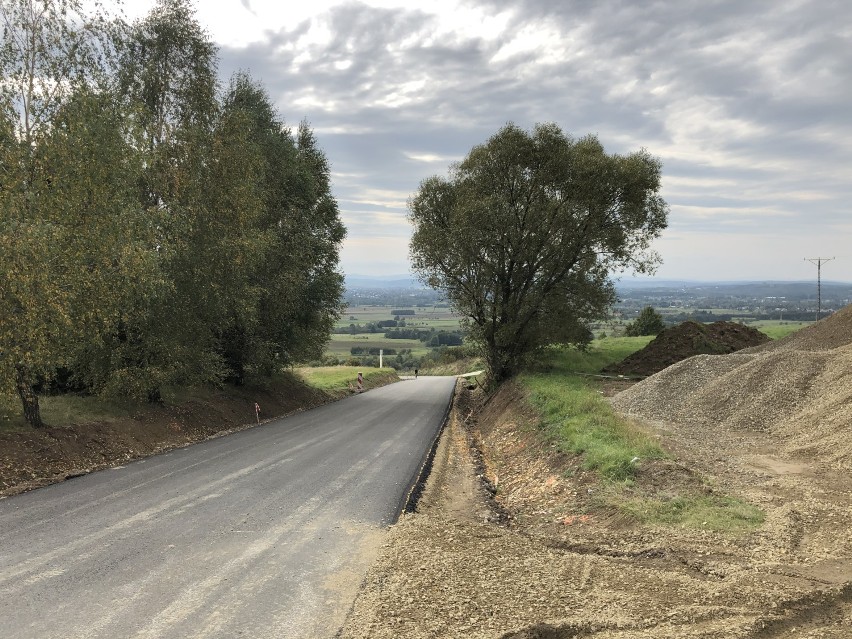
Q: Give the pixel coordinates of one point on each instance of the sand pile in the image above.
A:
(686, 340)
(799, 388)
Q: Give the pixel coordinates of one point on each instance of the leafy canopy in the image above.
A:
(524, 233)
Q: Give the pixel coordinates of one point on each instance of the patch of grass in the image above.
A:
(61, 410)
(600, 353)
(777, 329)
(581, 422)
(575, 416)
(704, 512)
(459, 367)
(329, 378)
(77, 409)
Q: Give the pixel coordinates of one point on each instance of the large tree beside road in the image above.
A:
(525, 232)
(154, 232)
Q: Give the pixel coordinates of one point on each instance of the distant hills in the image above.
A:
(382, 281)
(764, 287)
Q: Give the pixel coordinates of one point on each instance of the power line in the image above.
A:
(818, 261)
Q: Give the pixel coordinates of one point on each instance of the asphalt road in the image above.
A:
(263, 533)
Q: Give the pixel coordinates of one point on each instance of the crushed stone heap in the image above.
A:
(799, 388)
(686, 340)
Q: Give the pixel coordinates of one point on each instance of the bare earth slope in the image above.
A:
(542, 559)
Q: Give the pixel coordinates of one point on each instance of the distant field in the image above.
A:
(428, 317)
(340, 345)
(776, 329)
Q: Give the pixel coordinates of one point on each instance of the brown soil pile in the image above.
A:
(686, 340)
(799, 388)
(31, 458)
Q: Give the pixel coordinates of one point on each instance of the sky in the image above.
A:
(747, 103)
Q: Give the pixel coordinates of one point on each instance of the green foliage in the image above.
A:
(152, 235)
(593, 359)
(649, 322)
(524, 233)
(64, 245)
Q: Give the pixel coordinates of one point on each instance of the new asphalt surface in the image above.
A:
(263, 533)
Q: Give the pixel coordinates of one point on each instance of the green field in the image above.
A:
(340, 345)
(776, 329)
(424, 317)
(331, 378)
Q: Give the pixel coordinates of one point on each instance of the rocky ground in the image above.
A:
(510, 540)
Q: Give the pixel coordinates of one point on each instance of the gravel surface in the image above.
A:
(510, 539)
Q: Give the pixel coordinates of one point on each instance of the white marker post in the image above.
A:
(381, 356)
(257, 412)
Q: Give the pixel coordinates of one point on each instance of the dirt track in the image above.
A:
(564, 567)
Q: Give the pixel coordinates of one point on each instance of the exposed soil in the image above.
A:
(32, 458)
(513, 539)
(686, 340)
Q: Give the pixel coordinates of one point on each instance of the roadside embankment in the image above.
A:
(518, 536)
(85, 435)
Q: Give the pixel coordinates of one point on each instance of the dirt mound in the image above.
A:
(798, 388)
(687, 340)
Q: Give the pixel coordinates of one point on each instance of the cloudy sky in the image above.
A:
(748, 103)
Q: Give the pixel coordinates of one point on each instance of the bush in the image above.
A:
(649, 322)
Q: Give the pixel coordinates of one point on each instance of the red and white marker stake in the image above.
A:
(257, 412)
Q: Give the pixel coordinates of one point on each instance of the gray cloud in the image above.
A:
(746, 103)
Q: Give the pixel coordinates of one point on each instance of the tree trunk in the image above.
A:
(29, 399)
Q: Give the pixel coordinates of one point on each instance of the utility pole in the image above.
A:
(818, 261)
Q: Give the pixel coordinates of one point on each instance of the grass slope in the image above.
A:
(574, 414)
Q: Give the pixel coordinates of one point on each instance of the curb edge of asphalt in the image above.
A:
(409, 503)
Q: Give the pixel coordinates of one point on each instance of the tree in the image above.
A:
(287, 238)
(167, 76)
(649, 322)
(523, 234)
(53, 57)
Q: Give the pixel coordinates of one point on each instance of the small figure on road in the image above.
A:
(415, 373)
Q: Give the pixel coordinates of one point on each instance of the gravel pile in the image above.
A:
(798, 388)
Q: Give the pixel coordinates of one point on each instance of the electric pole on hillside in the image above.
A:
(818, 261)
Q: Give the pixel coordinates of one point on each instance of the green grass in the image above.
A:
(706, 512)
(579, 420)
(67, 409)
(599, 353)
(777, 329)
(339, 377)
(582, 422)
(573, 414)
